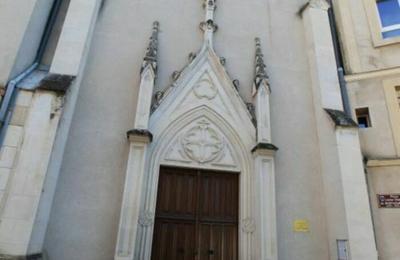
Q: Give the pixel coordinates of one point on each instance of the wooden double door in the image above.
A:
(196, 215)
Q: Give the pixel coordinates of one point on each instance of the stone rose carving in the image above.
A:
(202, 143)
(205, 89)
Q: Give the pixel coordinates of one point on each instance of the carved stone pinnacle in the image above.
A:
(260, 72)
(150, 59)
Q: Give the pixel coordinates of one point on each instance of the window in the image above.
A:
(389, 13)
(363, 117)
(398, 95)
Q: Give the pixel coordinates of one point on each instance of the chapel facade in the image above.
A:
(201, 129)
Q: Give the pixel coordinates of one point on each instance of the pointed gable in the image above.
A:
(204, 82)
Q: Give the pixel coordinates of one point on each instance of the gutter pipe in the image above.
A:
(8, 101)
(339, 63)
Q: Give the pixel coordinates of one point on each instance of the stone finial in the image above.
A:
(260, 73)
(150, 59)
(208, 26)
(210, 6)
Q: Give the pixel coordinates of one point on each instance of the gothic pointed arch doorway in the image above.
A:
(201, 124)
(229, 159)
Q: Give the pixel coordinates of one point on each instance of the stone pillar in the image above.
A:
(75, 36)
(343, 183)
(130, 209)
(356, 201)
(24, 161)
(264, 185)
(321, 53)
(139, 138)
(65, 78)
(264, 175)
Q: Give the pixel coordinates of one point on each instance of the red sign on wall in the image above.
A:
(389, 200)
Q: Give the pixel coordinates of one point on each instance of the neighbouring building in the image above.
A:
(369, 33)
(199, 129)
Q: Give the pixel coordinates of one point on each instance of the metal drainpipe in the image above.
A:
(339, 63)
(8, 101)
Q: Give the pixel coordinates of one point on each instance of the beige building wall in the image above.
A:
(102, 44)
(89, 191)
(372, 66)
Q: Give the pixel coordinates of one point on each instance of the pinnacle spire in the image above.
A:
(260, 73)
(209, 26)
(150, 59)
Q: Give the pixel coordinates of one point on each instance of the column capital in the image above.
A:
(265, 149)
(140, 135)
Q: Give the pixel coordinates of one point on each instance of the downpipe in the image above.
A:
(9, 98)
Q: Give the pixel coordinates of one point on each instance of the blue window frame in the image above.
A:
(389, 13)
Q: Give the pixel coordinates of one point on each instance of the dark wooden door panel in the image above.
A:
(174, 240)
(177, 191)
(218, 242)
(196, 215)
(219, 197)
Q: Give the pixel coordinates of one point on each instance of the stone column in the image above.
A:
(342, 176)
(139, 138)
(264, 186)
(264, 175)
(66, 72)
(321, 53)
(130, 209)
(75, 36)
(356, 201)
(24, 162)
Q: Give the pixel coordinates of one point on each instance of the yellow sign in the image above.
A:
(301, 225)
